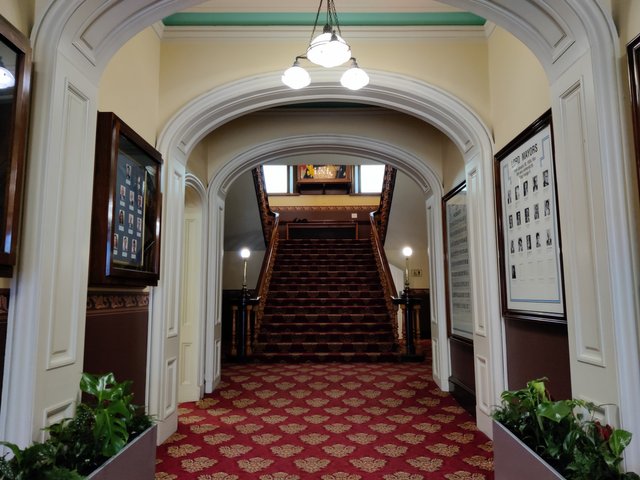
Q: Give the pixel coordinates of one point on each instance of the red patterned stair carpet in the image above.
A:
(325, 303)
(326, 421)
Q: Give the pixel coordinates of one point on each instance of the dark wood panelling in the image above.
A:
(4, 310)
(424, 319)
(535, 350)
(328, 213)
(462, 381)
(116, 337)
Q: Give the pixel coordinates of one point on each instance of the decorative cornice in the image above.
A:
(100, 301)
(282, 32)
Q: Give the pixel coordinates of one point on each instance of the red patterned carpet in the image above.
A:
(326, 421)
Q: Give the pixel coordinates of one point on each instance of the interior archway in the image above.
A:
(573, 39)
(364, 148)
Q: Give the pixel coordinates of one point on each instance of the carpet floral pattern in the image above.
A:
(326, 421)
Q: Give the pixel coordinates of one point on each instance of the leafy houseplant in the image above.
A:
(564, 433)
(103, 424)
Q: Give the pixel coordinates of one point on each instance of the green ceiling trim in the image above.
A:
(229, 19)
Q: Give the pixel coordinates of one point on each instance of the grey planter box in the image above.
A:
(136, 460)
(513, 459)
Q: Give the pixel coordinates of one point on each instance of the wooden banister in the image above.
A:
(267, 216)
(385, 274)
(264, 278)
(381, 215)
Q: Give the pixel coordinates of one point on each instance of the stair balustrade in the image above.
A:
(385, 274)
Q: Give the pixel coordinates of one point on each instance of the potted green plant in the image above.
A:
(538, 438)
(109, 437)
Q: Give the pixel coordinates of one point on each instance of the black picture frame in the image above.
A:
(529, 241)
(16, 57)
(457, 269)
(633, 63)
(125, 226)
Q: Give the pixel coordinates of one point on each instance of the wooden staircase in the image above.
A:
(325, 302)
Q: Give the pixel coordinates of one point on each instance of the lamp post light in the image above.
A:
(408, 320)
(245, 253)
(406, 251)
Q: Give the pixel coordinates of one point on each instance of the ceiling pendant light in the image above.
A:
(355, 78)
(296, 77)
(328, 50)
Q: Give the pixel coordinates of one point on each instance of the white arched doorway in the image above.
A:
(287, 148)
(575, 41)
(410, 96)
(193, 298)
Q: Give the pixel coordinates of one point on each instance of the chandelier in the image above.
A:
(328, 50)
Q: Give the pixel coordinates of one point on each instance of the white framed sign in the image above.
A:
(457, 264)
(530, 247)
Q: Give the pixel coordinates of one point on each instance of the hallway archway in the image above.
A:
(431, 105)
(574, 40)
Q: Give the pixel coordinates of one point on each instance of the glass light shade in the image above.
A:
(296, 77)
(407, 251)
(7, 80)
(245, 253)
(328, 50)
(354, 79)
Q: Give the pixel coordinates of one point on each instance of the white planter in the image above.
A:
(512, 459)
(135, 461)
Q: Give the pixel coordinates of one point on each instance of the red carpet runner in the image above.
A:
(326, 421)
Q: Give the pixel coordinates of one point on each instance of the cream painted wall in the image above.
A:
(130, 84)
(323, 200)
(211, 62)
(518, 86)
(408, 227)
(197, 163)
(397, 129)
(626, 14)
(20, 13)
(452, 166)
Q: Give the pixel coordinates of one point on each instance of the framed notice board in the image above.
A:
(125, 243)
(15, 92)
(457, 264)
(529, 236)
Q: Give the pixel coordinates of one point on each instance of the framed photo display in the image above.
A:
(15, 88)
(457, 265)
(529, 238)
(126, 208)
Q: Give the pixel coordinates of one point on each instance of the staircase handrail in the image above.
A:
(381, 257)
(381, 215)
(262, 287)
(386, 278)
(267, 216)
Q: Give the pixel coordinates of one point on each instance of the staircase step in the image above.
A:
(320, 327)
(325, 347)
(325, 276)
(327, 293)
(320, 310)
(325, 302)
(328, 286)
(324, 337)
(325, 318)
(297, 357)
